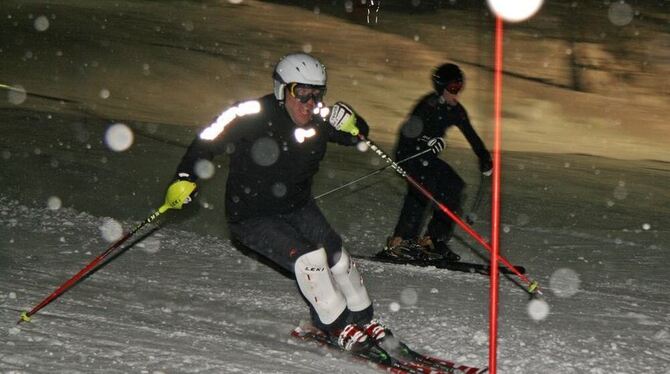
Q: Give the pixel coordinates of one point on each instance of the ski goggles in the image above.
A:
(454, 87)
(305, 92)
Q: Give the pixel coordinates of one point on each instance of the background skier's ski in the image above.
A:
(468, 267)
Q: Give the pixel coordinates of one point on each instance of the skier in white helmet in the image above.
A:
(275, 145)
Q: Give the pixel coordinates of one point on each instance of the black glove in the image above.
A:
(486, 166)
(436, 145)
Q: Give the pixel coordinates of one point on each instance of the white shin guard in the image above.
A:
(350, 281)
(316, 284)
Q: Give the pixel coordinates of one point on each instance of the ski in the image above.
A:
(467, 267)
(440, 363)
(407, 361)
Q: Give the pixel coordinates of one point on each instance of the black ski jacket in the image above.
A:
(431, 118)
(271, 164)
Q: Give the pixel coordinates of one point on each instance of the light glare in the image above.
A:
(514, 11)
(302, 134)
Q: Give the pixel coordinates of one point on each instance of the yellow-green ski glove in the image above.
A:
(179, 193)
(343, 118)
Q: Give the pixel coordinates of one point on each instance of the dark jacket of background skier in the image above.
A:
(431, 118)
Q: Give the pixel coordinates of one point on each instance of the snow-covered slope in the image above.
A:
(179, 298)
(182, 299)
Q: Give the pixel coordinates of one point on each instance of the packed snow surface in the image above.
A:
(103, 97)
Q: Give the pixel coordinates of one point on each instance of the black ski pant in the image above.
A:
(445, 184)
(283, 238)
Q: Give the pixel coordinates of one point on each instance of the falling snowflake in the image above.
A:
(620, 13)
(41, 23)
(119, 137)
(538, 309)
(54, 203)
(204, 169)
(111, 230)
(564, 282)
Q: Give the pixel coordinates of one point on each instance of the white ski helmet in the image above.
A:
(298, 68)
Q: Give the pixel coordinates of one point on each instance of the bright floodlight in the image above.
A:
(514, 10)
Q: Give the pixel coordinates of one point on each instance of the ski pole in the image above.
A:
(533, 286)
(472, 215)
(180, 192)
(26, 316)
(370, 174)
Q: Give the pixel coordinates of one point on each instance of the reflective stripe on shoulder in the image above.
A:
(241, 110)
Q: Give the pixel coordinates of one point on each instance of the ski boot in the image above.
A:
(383, 338)
(353, 339)
(377, 331)
(409, 250)
(438, 249)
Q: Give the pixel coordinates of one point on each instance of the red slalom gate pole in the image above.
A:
(26, 316)
(495, 208)
(532, 285)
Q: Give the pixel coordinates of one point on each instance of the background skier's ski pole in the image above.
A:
(532, 285)
(370, 174)
(471, 216)
(181, 191)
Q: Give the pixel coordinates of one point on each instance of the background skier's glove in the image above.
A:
(181, 192)
(343, 118)
(486, 166)
(436, 145)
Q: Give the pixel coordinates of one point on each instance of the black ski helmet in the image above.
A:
(448, 75)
